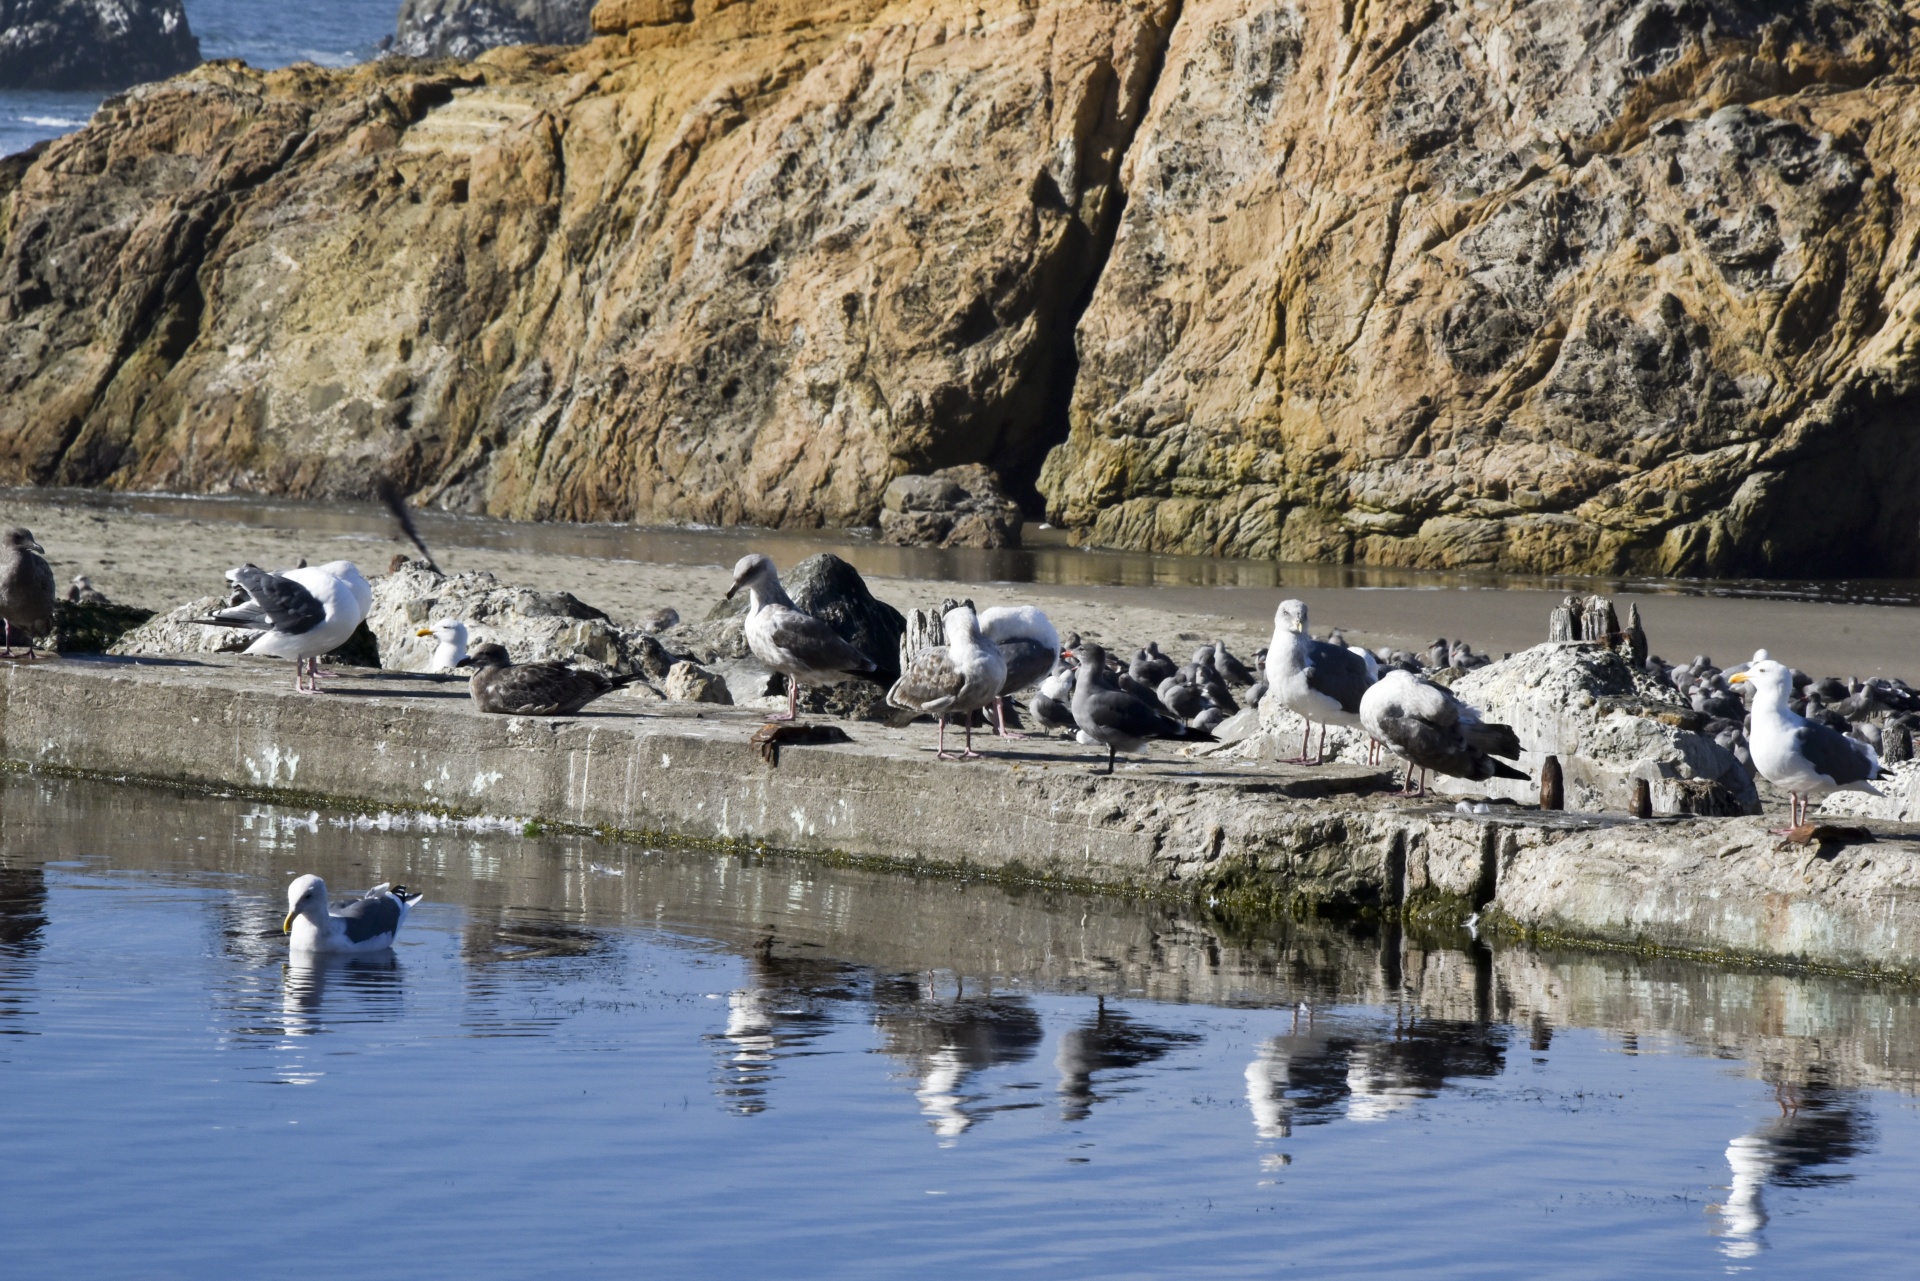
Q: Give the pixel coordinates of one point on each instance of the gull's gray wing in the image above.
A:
(813, 644)
(1028, 662)
(1337, 672)
(370, 917)
(273, 604)
(1833, 753)
(1117, 710)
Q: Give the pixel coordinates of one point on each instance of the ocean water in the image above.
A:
(585, 1058)
(264, 33)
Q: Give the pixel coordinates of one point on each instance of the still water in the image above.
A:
(585, 1057)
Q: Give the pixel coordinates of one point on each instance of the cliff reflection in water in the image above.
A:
(23, 915)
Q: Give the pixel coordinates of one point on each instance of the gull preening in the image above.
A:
(958, 678)
(451, 651)
(1808, 759)
(300, 613)
(505, 688)
(26, 588)
(1109, 716)
(788, 639)
(366, 924)
(1427, 727)
(1028, 642)
(1316, 680)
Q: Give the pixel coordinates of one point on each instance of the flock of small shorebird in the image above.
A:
(989, 656)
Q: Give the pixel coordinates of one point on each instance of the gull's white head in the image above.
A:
(306, 896)
(753, 570)
(1291, 617)
(1768, 678)
(452, 635)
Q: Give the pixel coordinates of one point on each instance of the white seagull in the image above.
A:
(452, 649)
(787, 638)
(1028, 642)
(300, 613)
(955, 679)
(1319, 681)
(1806, 758)
(366, 924)
(1425, 725)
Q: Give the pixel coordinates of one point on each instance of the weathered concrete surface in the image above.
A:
(1034, 810)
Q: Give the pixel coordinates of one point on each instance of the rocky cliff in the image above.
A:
(467, 28)
(92, 44)
(1578, 284)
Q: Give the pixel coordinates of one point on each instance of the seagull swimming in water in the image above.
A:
(366, 924)
(1808, 759)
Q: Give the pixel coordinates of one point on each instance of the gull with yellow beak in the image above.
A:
(1810, 761)
(366, 924)
(451, 652)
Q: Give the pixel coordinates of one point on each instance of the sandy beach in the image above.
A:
(159, 553)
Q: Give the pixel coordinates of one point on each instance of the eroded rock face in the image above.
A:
(467, 28)
(1596, 284)
(93, 44)
(745, 267)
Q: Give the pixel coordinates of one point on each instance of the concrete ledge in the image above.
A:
(1231, 830)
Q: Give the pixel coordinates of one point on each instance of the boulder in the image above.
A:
(467, 28)
(533, 625)
(833, 592)
(691, 683)
(91, 627)
(93, 44)
(174, 632)
(1610, 725)
(952, 507)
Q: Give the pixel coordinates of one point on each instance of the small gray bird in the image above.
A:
(26, 588)
(506, 688)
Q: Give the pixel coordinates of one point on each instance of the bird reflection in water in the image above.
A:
(1818, 1125)
(1111, 1041)
(787, 1002)
(1315, 1073)
(366, 989)
(944, 1034)
(23, 917)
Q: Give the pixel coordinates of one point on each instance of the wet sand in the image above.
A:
(177, 549)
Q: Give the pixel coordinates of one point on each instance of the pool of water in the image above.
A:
(585, 1057)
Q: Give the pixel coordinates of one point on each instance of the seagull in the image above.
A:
(82, 592)
(504, 688)
(1805, 757)
(26, 588)
(1426, 726)
(1108, 715)
(452, 649)
(1030, 645)
(787, 638)
(1230, 667)
(1320, 682)
(1052, 704)
(366, 924)
(300, 613)
(955, 679)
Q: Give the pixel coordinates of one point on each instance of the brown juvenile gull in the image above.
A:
(1426, 726)
(1320, 682)
(1111, 717)
(1808, 759)
(955, 679)
(506, 688)
(787, 638)
(26, 588)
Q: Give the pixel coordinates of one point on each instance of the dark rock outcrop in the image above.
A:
(833, 592)
(93, 44)
(953, 507)
(467, 28)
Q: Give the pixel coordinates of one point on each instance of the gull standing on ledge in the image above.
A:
(955, 679)
(1109, 716)
(1808, 759)
(1028, 642)
(788, 639)
(26, 588)
(1320, 682)
(366, 924)
(300, 614)
(1426, 726)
